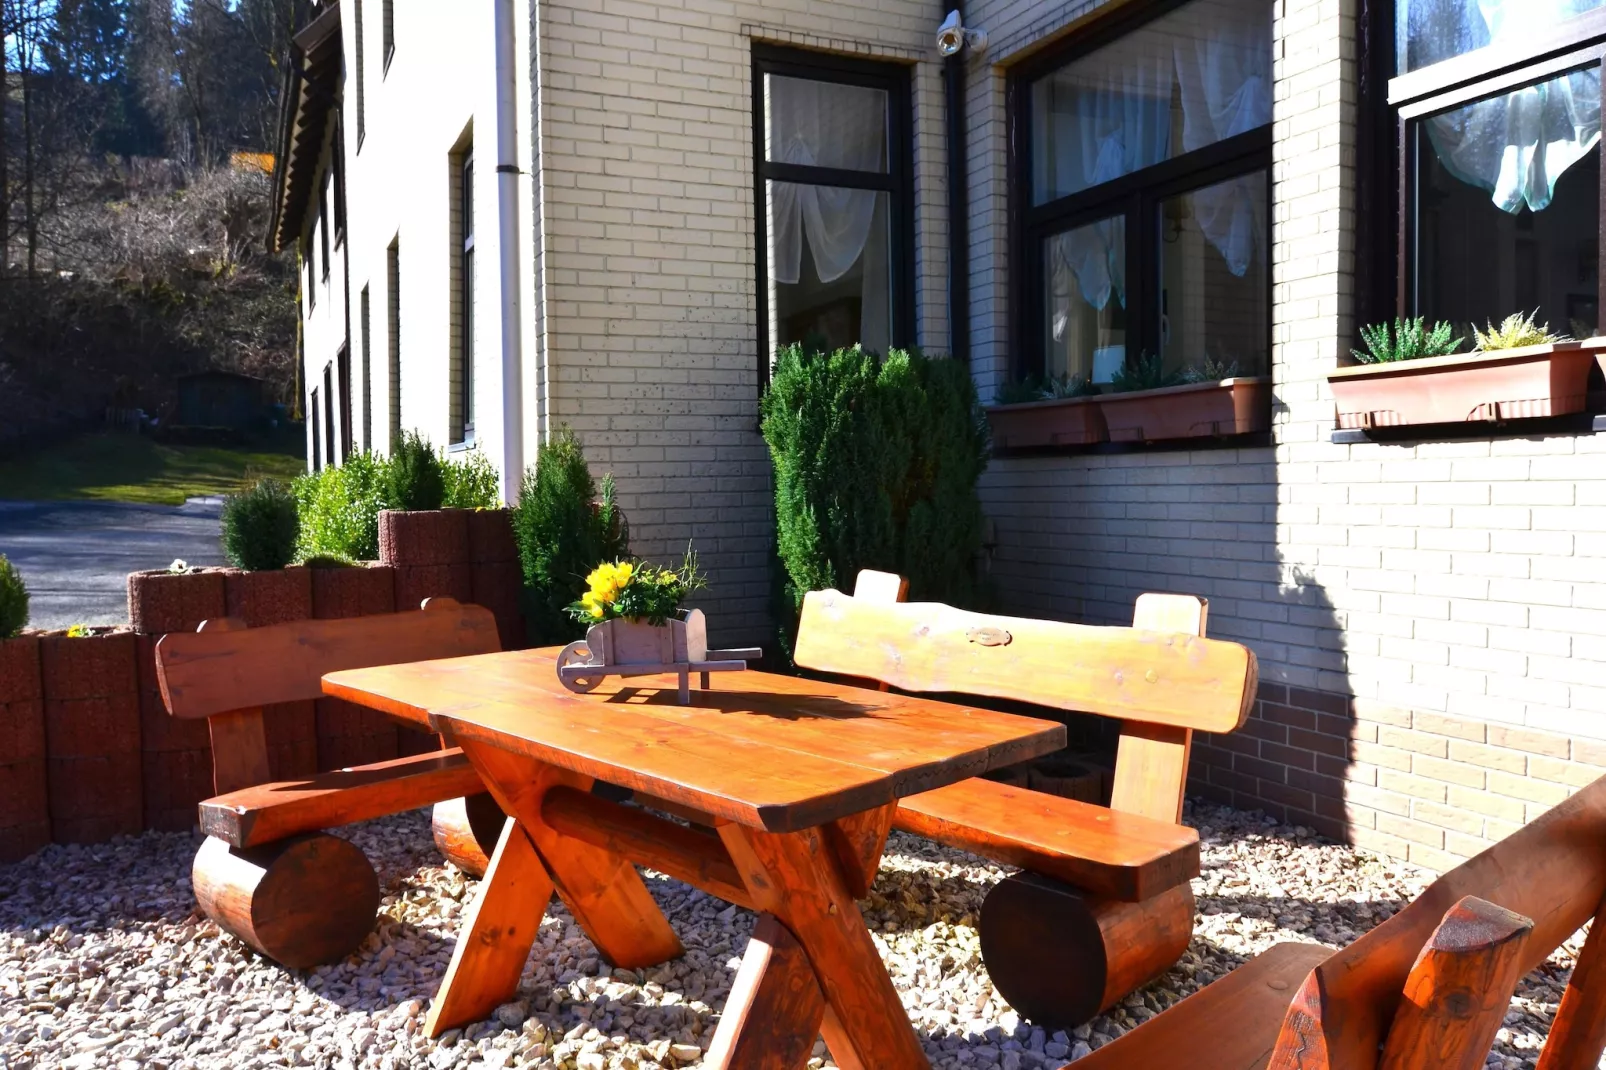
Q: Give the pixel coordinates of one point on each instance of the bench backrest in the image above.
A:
(1162, 680)
(227, 672)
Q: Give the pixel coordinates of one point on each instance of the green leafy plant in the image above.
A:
(415, 478)
(1034, 388)
(1072, 386)
(339, 509)
(1211, 371)
(563, 524)
(260, 526)
(327, 561)
(471, 482)
(13, 600)
(637, 590)
(1406, 339)
(1515, 330)
(876, 463)
(1147, 372)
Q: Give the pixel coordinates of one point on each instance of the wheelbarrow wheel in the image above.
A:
(575, 654)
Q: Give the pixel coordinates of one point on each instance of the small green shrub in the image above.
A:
(1033, 388)
(1406, 339)
(1211, 371)
(339, 509)
(327, 561)
(13, 600)
(563, 526)
(415, 478)
(1515, 330)
(260, 527)
(472, 483)
(1147, 372)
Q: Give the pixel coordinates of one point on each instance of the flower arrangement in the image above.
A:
(636, 590)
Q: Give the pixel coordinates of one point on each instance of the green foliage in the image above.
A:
(637, 590)
(472, 483)
(563, 529)
(415, 478)
(260, 527)
(327, 561)
(1035, 388)
(1147, 372)
(339, 508)
(1211, 371)
(13, 600)
(1405, 339)
(1514, 331)
(876, 464)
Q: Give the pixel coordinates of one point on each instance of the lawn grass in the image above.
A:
(133, 468)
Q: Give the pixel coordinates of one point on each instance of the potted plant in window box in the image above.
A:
(1059, 412)
(1206, 401)
(1411, 374)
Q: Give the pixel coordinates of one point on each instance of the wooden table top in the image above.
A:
(769, 751)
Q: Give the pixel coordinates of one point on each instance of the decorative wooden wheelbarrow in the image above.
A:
(622, 647)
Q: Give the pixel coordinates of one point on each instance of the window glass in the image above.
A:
(825, 124)
(1084, 279)
(1428, 31)
(1215, 314)
(1189, 79)
(830, 283)
(1508, 207)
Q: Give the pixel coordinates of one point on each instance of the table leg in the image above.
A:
(774, 1009)
(496, 936)
(795, 876)
(602, 890)
(858, 842)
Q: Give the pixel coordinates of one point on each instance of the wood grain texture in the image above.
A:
(239, 749)
(774, 1009)
(266, 812)
(1105, 852)
(602, 890)
(794, 876)
(1577, 1035)
(496, 937)
(1551, 870)
(881, 587)
(215, 670)
(1231, 1024)
(1459, 990)
(1154, 677)
(302, 902)
(466, 831)
(1151, 760)
(857, 842)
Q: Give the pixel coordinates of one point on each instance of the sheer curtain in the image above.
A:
(1515, 145)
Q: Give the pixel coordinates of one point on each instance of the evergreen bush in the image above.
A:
(564, 527)
(471, 483)
(415, 478)
(339, 509)
(876, 463)
(260, 527)
(13, 600)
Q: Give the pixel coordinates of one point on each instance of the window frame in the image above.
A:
(462, 385)
(357, 44)
(897, 182)
(1137, 195)
(387, 29)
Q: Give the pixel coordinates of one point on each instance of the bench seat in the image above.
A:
(1108, 853)
(268, 812)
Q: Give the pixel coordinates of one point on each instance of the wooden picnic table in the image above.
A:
(798, 779)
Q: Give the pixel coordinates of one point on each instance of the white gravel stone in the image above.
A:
(104, 962)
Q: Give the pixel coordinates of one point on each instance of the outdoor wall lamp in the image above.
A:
(953, 36)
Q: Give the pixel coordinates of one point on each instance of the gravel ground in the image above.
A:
(104, 962)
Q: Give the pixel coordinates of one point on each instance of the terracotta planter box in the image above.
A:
(490, 537)
(1236, 406)
(424, 537)
(1054, 422)
(1510, 384)
(24, 795)
(92, 736)
(160, 601)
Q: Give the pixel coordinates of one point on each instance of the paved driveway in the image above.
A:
(75, 557)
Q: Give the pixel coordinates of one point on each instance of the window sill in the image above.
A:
(1584, 423)
(464, 446)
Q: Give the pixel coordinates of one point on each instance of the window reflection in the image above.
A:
(1084, 274)
(829, 277)
(1429, 31)
(1214, 285)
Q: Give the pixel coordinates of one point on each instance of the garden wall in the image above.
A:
(87, 749)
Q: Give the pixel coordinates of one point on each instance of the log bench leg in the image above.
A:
(301, 901)
(774, 1009)
(466, 831)
(1060, 957)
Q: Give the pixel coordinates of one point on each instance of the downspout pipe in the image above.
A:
(509, 274)
(953, 73)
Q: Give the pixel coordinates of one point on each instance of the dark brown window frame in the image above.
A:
(898, 181)
(1136, 195)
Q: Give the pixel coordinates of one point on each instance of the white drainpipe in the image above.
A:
(507, 217)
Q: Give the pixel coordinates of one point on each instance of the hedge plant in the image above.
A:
(876, 463)
(260, 527)
(471, 482)
(13, 600)
(415, 476)
(339, 508)
(565, 525)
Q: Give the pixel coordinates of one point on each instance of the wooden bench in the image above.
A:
(266, 872)
(1104, 888)
(1429, 987)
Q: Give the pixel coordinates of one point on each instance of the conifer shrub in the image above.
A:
(260, 527)
(564, 525)
(13, 600)
(876, 463)
(415, 476)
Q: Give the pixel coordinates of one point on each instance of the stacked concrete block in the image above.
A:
(277, 597)
(92, 735)
(24, 797)
(497, 578)
(348, 734)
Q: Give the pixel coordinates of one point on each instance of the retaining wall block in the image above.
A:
(498, 587)
(349, 734)
(92, 736)
(278, 597)
(160, 601)
(423, 536)
(490, 537)
(414, 583)
(24, 795)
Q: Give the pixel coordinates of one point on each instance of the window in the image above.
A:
(329, 413)
(393, 339)
(362, 118)
(343, 372)
(387, 18)
(323, 222)
(835, 223)
(315, 420)
(1499, 106)
(463, 343)
(365, 326)
(1142, 187)
(337, 171)
(312, 273)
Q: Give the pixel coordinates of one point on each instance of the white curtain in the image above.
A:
(1518, 144)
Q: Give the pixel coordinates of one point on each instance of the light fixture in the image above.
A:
(953, 36)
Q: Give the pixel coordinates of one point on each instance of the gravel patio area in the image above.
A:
(105, 963)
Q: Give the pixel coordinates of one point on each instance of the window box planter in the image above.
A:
(1237, 406)
(1053, 422)
(1509, 384)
